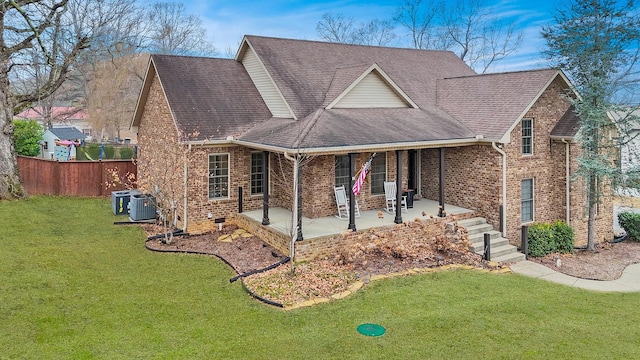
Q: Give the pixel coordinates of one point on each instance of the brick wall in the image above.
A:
(547, 168)
(473, 179)
(160, 157)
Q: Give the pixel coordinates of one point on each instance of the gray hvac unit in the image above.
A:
(143, 207)
(120, 200)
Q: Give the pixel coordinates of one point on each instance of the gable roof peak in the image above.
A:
(549, 70)
(250, 37)
(374, 68)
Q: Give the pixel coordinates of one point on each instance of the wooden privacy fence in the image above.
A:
(72, 178)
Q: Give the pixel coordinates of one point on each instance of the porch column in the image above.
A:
(398, 219)
(265, 189)
(441, 211)
(299, 180)
(352, 197)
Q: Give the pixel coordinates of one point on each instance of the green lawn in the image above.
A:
(74, 286)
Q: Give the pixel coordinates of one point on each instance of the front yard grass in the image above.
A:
(74, 286)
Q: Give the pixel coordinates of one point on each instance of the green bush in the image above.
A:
(92, 151)
(109, 152)
(563, 236)
(126, 153)
(27, 135)
(550, 238)
(630, 222)
(538, 239)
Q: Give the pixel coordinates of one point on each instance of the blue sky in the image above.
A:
(228, 20)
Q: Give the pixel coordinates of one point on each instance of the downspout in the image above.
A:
(186, 193)
(504, 188)
(294, 225)
(567, 182)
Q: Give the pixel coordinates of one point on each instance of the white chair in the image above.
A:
(390, 191)
(342, 202)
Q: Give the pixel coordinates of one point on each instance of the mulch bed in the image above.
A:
(244, 254)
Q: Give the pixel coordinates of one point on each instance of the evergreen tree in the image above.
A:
(597, 43)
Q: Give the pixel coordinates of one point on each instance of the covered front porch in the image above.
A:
(281, 219)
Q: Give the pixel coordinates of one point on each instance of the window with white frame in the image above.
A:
(378, 173)
(218, 176)
(257, 173)
(527, 200)
(527, 136)
(342, 171)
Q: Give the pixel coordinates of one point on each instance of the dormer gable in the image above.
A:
(372, 89)
(271, 95)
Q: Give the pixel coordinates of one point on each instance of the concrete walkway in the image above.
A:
(628, 282)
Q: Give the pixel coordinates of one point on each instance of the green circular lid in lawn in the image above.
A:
(371, 330)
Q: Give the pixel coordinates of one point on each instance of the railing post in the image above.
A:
(501, 218)
(239, 199)
(487, 246)
(525, 241)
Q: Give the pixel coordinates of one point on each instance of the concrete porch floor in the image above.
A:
(280, 219)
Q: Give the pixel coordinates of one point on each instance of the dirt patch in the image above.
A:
(243, 252)
(605, 263)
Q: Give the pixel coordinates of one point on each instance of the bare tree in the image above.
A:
(421, 22)
(112, 91)
(170, 30)
(468, 27)
(479, 37)
(340, 29)
(43, 26)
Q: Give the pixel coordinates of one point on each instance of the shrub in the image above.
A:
(126, 153)
(27, 135)
(109, 152)
(550, 238)
(92, 151)
(630, 222)
(563, 236)
(539, 235)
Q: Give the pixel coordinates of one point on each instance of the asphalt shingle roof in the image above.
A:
(304, 70)
(490, 104)
(217, 99)
(568, 125)
(67, 133)
(213, 98)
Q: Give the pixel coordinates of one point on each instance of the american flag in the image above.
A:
(357, 185)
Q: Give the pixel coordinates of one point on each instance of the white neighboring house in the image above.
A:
(630, 151)
(60, 134)
(62, 117)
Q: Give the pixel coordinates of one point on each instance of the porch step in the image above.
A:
(501, 250)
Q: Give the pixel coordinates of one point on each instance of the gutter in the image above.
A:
(504, 188)
(363, 148)
(567, 182)
(294, 225)
(186, 193)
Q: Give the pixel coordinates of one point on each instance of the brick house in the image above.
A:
(224, 135)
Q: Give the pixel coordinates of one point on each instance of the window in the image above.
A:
(527, 136)
(86, 132)
(257, 173)
(378, 174)
(218, 176)
(342, 171)
(527, 200)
